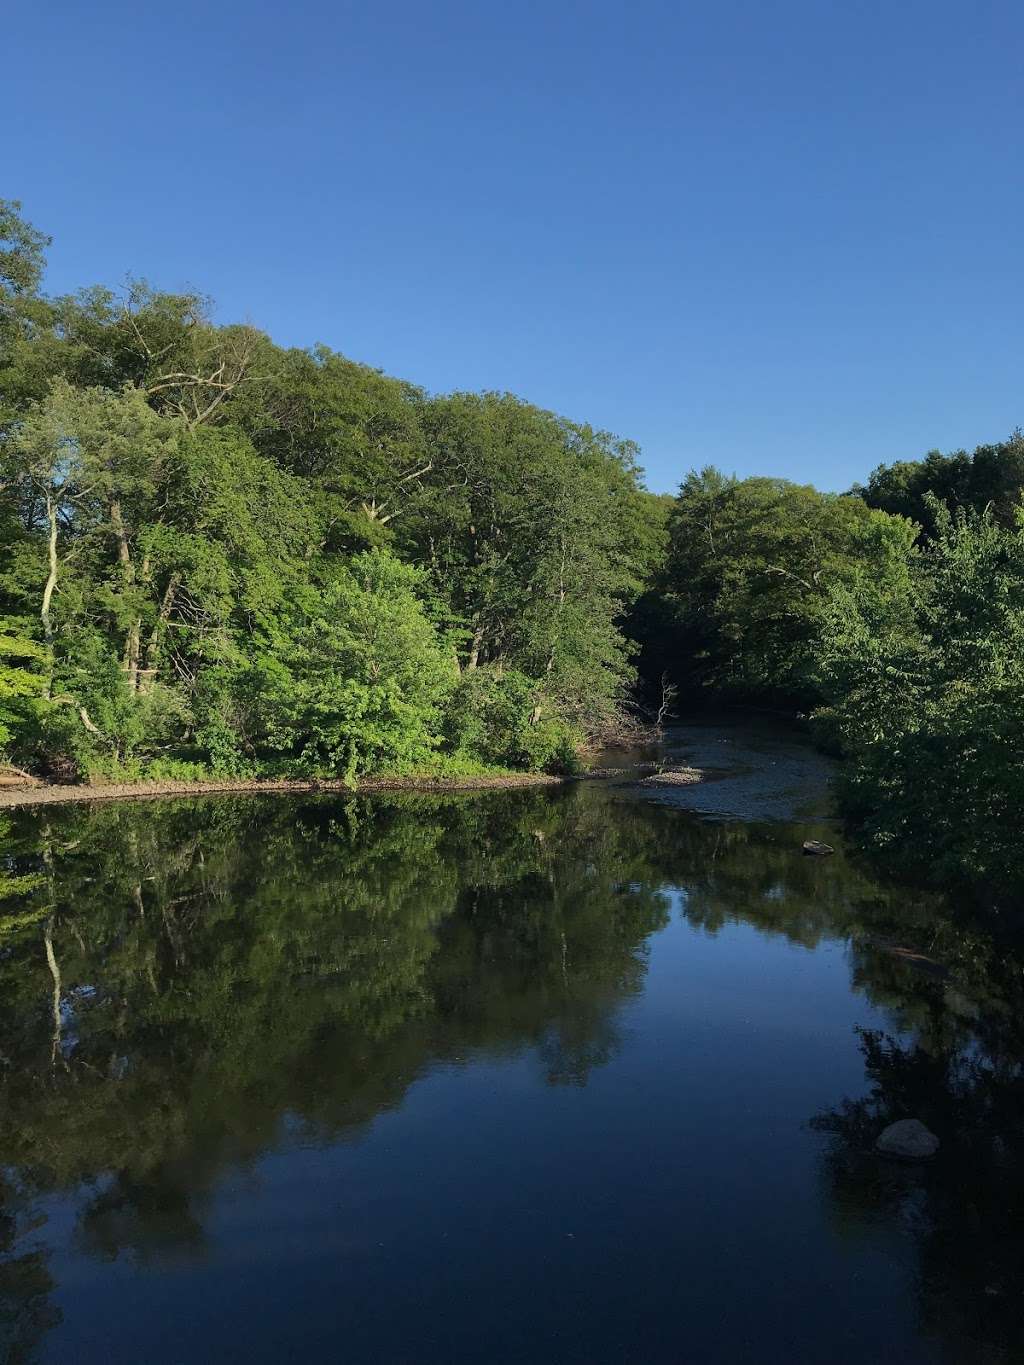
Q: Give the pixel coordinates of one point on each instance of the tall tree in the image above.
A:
(991, 477)
(750, 567)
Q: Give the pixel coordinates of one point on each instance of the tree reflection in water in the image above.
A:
(961, 1073)
(232, 975)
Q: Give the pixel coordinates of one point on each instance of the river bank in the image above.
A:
(60, 794)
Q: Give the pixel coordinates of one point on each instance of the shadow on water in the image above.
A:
(191, 989)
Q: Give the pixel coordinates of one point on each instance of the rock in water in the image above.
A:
(674, 777)
(816, 847)
(908, 1139)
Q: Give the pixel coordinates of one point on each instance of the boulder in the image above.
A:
(675, 777)
(817, 849)
(908, 1139)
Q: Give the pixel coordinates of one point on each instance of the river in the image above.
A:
(578, 1074)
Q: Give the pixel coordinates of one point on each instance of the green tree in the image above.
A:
(991, 477)
(361, 678)
(24, 314)
(750, 567)
(925, 694)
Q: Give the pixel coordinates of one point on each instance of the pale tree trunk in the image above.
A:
(123, 553)
(131, 655)
(51, 577)
(45, 610)
(51, 959)
(668, 696)
(83, 715)
(51, 956)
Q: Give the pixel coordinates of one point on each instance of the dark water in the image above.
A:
(555, 1075)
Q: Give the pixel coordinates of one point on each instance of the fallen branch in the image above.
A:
(20, 772)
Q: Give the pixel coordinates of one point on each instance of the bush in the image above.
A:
(497, 718)
(360, 682)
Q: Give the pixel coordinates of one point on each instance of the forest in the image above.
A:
(221, 556)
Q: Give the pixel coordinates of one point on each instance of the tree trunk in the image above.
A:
(51, 578)
(123, 553)
(149, 672)
(51, 959)
(474, 649)
(668, 696)
(83, 715)
(131, 655)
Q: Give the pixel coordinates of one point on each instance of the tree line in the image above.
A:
(218, 555)
(893, 617)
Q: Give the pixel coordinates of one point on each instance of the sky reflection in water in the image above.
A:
(540, 1075)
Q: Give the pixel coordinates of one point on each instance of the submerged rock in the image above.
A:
(908, 1139)
(817, 848)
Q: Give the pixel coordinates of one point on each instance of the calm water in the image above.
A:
(588, 1074)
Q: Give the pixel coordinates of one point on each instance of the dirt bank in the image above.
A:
(47, 795)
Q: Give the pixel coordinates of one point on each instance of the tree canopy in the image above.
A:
(992, 477)
(223, 555)
(220, 555)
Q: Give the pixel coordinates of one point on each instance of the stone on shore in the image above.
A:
(817, 849)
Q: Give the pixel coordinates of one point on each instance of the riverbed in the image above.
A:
(586, 1073)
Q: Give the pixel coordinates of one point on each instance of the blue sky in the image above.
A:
(774, 235)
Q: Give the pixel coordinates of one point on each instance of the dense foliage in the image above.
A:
(925, 694)
(903, 639)
(218, 555)
(221, 555)
(749, 571)
(992, 478)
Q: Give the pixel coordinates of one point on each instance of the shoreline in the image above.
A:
(58, 794)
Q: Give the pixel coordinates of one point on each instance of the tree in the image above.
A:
(530, 536)
(360, 679)
(355, 434)
(991, 477)
(925, 695)
(749, 570)
(23, 679)
(23, 313)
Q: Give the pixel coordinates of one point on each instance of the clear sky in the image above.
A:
(780, 236)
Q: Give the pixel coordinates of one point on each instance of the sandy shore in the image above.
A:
(47, 795)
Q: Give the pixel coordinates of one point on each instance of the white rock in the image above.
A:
(909, 1139)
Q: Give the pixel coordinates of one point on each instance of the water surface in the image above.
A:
(555, 1075)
